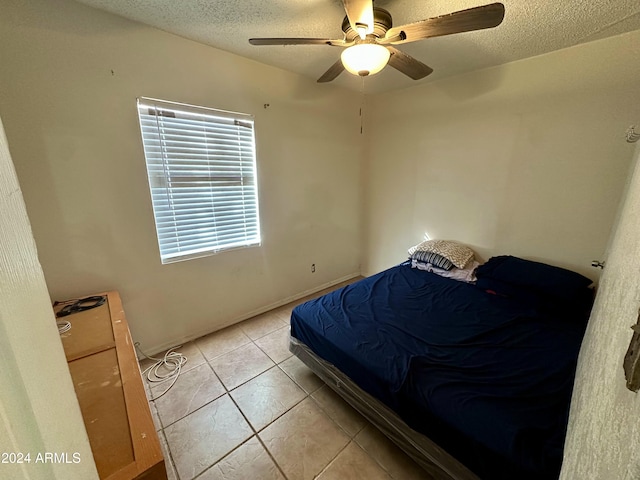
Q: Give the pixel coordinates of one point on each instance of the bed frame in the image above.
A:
(421, 449)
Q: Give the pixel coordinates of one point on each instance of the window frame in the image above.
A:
(165, 198)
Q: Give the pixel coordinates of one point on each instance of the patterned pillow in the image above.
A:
(455, 252)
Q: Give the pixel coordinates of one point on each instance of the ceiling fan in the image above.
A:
(370, 38)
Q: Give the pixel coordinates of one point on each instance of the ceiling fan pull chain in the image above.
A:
(361, 104)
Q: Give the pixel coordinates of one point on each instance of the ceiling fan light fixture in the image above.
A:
(365, 58)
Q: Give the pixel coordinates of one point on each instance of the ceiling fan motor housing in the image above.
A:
(382, 22)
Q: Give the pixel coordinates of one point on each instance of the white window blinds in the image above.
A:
(202, 176)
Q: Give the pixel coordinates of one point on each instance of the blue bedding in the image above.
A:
(487, 377)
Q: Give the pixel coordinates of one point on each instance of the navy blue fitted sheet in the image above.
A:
(488, 378)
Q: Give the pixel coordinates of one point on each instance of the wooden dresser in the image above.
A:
(112, 398)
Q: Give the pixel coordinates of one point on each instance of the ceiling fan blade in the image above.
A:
(408, 65)
(477, 18)
(298, 41)
(334, 70)
(359, 13)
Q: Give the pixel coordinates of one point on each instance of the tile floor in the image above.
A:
(245, 408)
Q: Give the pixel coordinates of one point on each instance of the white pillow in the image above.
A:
(466, 275)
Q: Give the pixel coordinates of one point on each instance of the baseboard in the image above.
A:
(245, 316)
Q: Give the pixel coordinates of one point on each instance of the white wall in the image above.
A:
(603, 440)
(70, 76)
(527, 158)
(39, 411)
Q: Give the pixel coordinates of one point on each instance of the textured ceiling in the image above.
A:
(530, 27)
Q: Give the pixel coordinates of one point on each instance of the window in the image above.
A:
(202, 176)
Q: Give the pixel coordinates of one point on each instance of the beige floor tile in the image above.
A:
(285, 312)
(263, 324)
(154, 412)
(202, 438)
(147, 389)
(267, 396)
(339, 411)
(399, 465)
(244, 363)
(168, 462)
(309, 297)
(301, 374)
(353, 464)
(337, 286)
(193, 354)
(276, 344)
(303, 441)
(193, 389)
(324, 291)
(302, 300)
(221, 342)
(249, 462)
(189, 349)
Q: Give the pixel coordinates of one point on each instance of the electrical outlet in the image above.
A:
(313, 268)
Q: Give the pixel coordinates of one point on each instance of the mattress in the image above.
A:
(485, 377)
(426, 453)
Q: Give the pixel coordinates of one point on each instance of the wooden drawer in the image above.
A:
(114, 406)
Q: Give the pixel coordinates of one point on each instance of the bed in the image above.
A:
(473, 380)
